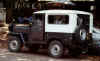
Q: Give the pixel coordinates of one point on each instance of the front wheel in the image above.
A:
(56, 49)
(14, 45)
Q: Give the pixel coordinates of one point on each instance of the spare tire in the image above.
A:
(81, 35)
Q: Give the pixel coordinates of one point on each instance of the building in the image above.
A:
(87, 5)
(84, 5)
(2, 13)
(34, 5)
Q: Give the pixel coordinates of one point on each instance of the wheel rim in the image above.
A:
(13, 44)
(82, 34)
(55, 50)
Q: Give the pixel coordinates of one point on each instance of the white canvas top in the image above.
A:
(63, 11)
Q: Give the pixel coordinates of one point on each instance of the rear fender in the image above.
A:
(19, 35)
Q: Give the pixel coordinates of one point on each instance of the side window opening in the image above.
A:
(79, 21)
(58, 19)
(38, 20)
(83, 21)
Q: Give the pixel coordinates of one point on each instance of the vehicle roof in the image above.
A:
(63, 11)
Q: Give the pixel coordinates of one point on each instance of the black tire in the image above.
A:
(15, 45)
(84, 34)
(54, 45)
(81, 40)
(81, 34)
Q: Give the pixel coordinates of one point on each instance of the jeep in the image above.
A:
(55, 30)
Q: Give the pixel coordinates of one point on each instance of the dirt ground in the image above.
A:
(3, 37)
(41, 55)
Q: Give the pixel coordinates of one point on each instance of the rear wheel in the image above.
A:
(14, 45)
(56, 49)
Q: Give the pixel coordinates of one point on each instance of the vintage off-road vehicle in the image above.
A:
(56, 30)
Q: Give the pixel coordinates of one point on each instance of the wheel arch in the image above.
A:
(16, 35)
(58, 39)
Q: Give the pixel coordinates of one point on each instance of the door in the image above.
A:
(37, 28)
